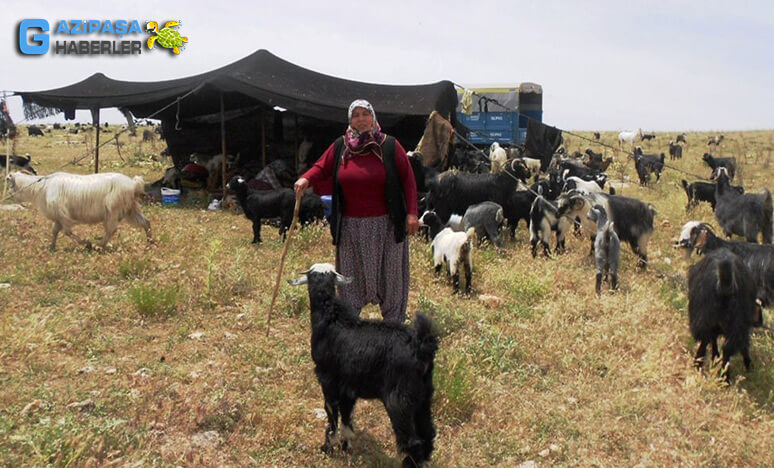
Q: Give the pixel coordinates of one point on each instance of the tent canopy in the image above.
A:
(262, 78)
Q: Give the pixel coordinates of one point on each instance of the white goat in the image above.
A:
(71, 199)
(455, 248)
(498, 157)
(629, 137)
(576, 183)
(533, 165)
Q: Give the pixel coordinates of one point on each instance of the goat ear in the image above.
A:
(298, 281)
(701, 240)
(341, 279)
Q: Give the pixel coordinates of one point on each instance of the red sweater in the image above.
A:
(362, 179)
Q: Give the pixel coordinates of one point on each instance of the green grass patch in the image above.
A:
(152, 302)
(134, 267)
(455, 390)
(495, 353)
(446, 320)
(527, 289)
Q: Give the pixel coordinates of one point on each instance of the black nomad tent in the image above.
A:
(268, 105)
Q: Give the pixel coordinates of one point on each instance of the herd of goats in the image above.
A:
(357, 358)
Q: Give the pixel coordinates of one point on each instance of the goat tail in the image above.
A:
(652, 210)
(139, 186)
(767, 215)
(427, 340)
(499, 217)
(686, 187)
(609, 231)
(726, 285)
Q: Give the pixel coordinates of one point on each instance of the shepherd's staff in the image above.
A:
(282, 259)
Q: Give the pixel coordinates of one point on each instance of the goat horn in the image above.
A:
(299, 281)
(341, 279)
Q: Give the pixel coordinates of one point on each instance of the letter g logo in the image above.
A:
(42, 39)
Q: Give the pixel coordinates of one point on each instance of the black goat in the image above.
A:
(419, 171)
(357, 358)
(19, 163)
(647, 164)
(631, 218)
(520, 202)
(648, 136)
(265, 204)
(474, 161)
(596, 161)
(758, 258)
(597, 136)
(742, 214)
(681, 138)
(703, 191)
(675, 150)
(729, 163)
(453, 192)
(34, 130)
(721, 301)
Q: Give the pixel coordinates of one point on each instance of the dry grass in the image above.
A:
(191, 379)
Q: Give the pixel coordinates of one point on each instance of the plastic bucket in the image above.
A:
(170, 196)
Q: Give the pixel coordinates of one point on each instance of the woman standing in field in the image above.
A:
(374, 208)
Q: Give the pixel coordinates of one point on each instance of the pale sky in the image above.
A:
(661, 66)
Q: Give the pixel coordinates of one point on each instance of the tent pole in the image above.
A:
(295, 138)
(223, 147)
(7, 157)
(96, 148)
(263, 140)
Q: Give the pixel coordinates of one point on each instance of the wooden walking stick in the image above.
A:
(282, 259)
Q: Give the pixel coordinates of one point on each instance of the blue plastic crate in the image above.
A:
(472, 121)
(500, 136)
(499, 120)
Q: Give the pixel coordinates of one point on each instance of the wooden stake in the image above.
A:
(282, 259)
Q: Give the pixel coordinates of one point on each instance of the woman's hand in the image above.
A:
(301, 185)
(412, 224)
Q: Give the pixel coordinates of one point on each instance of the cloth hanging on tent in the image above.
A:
(129, 120)
(434, 145)
(33, 111)
(466, 103)
(542, 141)
(7, 127)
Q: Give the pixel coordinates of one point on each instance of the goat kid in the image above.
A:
(703, 192)
(607, 248)
(543, 220)
(675, 150)
(357, 358)
(454, 248)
